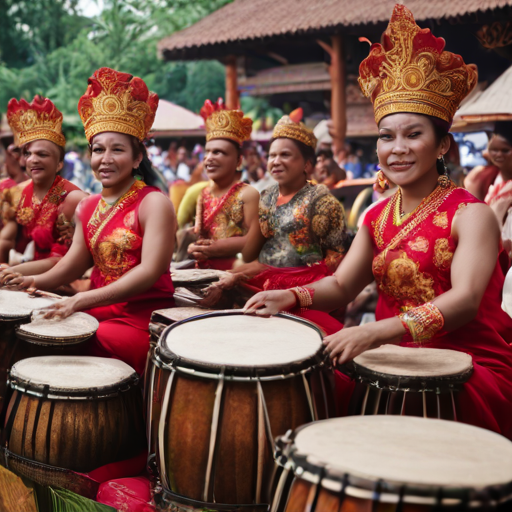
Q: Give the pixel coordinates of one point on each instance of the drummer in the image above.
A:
(432, 248)
(127, 232)
(47, 204)
(227, 209)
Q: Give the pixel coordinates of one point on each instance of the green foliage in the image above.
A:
(47, 47)
(264, 116)
(63, 500)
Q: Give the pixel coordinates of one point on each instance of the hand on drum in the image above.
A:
(60, 309)
(348, 343)
(270, 303)
(13, 280)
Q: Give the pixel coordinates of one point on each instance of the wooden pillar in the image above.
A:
(338, 97)
(338, 129)
(231, 83)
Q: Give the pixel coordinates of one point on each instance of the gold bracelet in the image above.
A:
(304, 296)
(422, 323)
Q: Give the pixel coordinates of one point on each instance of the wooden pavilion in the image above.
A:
(311, 48)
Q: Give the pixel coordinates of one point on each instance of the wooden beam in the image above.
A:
(338, 96)
(232, 102)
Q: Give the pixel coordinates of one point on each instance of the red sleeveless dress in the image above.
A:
(38, 221)
(114, 238)
(412, 263)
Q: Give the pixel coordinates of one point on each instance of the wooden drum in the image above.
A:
(408, 381)
(15, 309)
(392, 463)
(74, 412)
(222, 387)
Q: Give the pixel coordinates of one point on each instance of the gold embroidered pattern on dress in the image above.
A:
(441, 220)
(420, 244)
(402, 279)
(442, 254)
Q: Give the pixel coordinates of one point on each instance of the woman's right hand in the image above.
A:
(270, 303)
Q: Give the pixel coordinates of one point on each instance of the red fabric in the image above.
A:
(486, 398)
(127, 495)
(277, 278)
(38, 220)
(7, 183)
(114, 239)
(124, 468)
(217, 263)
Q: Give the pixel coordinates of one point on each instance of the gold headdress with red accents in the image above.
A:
(117, 102)
(225, 124)
(411, 72)
(39, 120)
(290, 127)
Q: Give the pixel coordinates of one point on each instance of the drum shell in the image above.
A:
(243, 460)
(80, 435)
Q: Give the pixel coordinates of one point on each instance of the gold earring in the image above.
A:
(443, 180)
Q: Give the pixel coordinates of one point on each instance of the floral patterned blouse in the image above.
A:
(307, 229)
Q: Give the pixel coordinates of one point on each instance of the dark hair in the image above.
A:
(149, 175)
(307, 152)
(326, 153)
(503, 129)
(441, 130)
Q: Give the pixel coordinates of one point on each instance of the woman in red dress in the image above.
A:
(432, 248)
(127, 232)
(47, 204)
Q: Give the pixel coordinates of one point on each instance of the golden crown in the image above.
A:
(117, 102)
(225, 124)
(39, 120)
(411, 72)
(290, 127)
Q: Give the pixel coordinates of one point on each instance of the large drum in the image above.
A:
(392, 463)
(222, 387)
(408, 381)
(74, 412)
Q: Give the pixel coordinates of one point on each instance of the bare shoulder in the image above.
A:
(156, 202)
(249, 194)
(477, 219)
(75, 196)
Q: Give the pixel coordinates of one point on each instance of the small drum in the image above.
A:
(57, 332)
(196, 276)
(221, 387)
(408, 381)
(15, 310)
(392, 463)
(74, 412)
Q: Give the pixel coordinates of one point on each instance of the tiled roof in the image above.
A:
(246, 20)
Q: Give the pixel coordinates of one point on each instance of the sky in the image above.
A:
(90, 8)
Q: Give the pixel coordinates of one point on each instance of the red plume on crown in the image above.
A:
(39, 120)
(411, 72)
(209, 108)
(225, 124)
(117, 102)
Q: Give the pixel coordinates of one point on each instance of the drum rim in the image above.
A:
(46, 391)
(287, 456)
(413, 383)
(28, 315)
(165, 358)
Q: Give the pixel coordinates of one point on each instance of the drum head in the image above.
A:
(196, 276)
(410, 368)
(243, 342)
(405, 450)
(172, 315)
(71, 375)
(76, 328)
(16, 305)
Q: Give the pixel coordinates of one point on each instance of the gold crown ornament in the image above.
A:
(39, 120)
(117, 102)
(290, 127)
(225, 124)
(411, 72)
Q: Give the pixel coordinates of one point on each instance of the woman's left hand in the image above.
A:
(348, 343)
(61, 309)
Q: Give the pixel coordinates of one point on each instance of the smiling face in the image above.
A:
(112, 159)
(500, 152)
(221, 160)
(42, 160)
(408, 148)
(287, 165)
